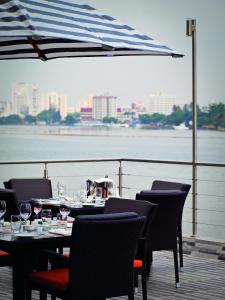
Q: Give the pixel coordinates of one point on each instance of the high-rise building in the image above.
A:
(5, 108)
(34, 102)
(160, 103)
(20, 99)
(104, 106)
(54, 101)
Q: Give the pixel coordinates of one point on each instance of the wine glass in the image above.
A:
(37, 208)
(2, 208)
(25, 211)
(83, 192)
(61, 188)
(64, 209)
(2, 212)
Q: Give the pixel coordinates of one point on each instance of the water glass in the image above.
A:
(61, 187)
(15, 223)
(46, 216)
(61, 222)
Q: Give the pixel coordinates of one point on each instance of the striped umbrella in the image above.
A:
(47, 29)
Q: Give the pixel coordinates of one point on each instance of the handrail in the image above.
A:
(121, 174)
(177, 162)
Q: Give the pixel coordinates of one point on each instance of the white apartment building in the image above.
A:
(34, 103)
(55, 101)
(20, 99)
(5, 108)
(104, 106)
(160, 103)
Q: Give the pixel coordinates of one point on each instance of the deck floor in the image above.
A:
(202, 279)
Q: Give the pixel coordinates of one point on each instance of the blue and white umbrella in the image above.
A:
(48, 29)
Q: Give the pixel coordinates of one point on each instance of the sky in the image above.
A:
(136, 78)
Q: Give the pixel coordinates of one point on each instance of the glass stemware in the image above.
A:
(2, 208)
(37, 208)
(61, 188)
(25, 211)
(2, 212)
(83, 193)
(64, 209)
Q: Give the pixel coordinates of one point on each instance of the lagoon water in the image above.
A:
(62, 143)
(56, 142)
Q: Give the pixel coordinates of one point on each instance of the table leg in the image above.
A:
(19, 277)
(23, 263)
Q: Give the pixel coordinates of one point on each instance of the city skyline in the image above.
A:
(134, 79)
(28, 99)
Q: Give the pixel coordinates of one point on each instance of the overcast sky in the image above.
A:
(135, 78)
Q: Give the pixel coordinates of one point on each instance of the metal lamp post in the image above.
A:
(191, 31)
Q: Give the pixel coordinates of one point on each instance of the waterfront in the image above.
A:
(35, 143)
(61, 142)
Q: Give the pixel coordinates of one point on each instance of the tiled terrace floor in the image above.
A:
(202, 279)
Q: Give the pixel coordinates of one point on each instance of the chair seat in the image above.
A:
(3, 253)
(138, 263)
(57, 279)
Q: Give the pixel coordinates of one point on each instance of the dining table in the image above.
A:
(25, 247)
(84, 209)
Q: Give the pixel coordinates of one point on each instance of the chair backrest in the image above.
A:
(12, 206)
(169, 185)
(163, 235)
(101, 256)
(121, 205)
(27, 188)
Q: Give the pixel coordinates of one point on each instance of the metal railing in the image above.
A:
(131, 181)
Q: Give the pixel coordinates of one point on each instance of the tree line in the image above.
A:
(212, 116)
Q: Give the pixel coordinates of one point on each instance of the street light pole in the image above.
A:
(191, 31)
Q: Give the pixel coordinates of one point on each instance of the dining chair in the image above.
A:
(169, 186)
(100, 262)
(12, 208)
(142, 208)
(163, 235)
(12, 205)
(28, 188)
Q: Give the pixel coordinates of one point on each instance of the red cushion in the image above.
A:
(57, 279)
(138, 263)
(3, 253)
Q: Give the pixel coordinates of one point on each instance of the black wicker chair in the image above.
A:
(100, 263)
(142, 208)
(28, 188)
(12, 208)
(163, 235)
(160, 185)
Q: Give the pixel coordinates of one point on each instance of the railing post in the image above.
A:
(46, 171)
(120, 179)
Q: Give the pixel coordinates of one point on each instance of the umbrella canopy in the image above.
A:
(47, 29)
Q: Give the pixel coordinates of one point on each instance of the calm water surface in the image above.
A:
(52, 143)
(34, 143)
